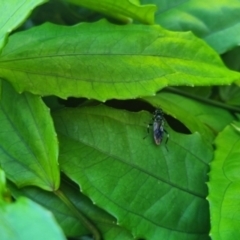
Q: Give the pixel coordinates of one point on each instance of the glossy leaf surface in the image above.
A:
(224, 184)
(123, 10)
(13, 13)
(66, 219)
(28, 143)
(76, 61)
(153, 192)
(25, 219)
(215, 21)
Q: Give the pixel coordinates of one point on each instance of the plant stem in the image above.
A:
(84, 220)
(205, 100)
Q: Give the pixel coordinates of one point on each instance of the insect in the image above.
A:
(157, 124)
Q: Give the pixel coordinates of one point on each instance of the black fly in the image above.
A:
(157, 124)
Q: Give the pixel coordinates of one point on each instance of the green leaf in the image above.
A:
(230, 94)
(154, 193)
(216, 22)
(4, 193)
(232, 59)
(28, 143)
(13, 13)
(2, 184)
(137, 60)
(224, 186)
(236, 126)
(123, 10)
(204, 92)
(25, 219)
(66, 219)
(196, 116)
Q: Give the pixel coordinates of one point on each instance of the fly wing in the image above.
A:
(157, 132)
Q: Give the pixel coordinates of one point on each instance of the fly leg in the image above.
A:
(166, 138)
(148, 126)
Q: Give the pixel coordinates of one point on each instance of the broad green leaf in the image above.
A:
(28, 143)
(155, 193)
(104, 61)
(215, 21)
(25, 219)
(66, 219)
(224, 184)
(123, 10)
(13, 13)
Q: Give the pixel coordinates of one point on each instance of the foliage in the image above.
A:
(79, 81)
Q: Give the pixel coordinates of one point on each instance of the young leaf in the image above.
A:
(25, 219)
(137, 60)
(216, 22)
(28, 143)
(224, 186)
(13, 13)
(123, 10)
(153, 192)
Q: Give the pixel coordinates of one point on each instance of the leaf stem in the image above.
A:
(84, 220)
(204, 100)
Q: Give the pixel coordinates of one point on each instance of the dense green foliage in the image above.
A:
(79, 81)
